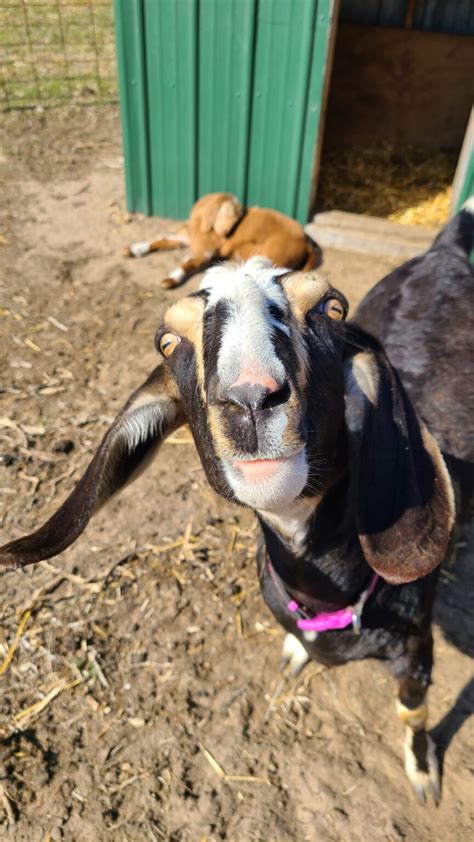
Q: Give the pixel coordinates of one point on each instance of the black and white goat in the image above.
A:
(300, 415)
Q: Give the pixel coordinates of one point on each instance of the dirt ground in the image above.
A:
(143, 700)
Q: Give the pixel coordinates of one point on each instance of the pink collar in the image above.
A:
(331, 620)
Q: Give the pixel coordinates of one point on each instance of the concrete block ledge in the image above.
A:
(369, 235)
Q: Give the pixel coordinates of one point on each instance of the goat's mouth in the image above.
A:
(257, 470)
(268, 483)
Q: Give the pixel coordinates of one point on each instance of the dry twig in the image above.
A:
(32, 711)
(252, 779)
(21, 626)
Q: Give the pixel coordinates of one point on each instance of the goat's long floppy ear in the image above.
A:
(403, 497)
(150, 414)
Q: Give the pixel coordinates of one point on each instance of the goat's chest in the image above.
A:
(333, 647)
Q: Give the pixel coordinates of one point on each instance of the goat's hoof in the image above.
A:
(168, 283)
(422, 767)
(293, 655)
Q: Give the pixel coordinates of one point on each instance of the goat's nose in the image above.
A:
(255, 397)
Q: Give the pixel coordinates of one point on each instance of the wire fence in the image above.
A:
(57, 51)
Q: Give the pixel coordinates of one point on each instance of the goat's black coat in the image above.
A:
(436, 364)
(423, 313)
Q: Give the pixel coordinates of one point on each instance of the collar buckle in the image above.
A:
(357, 619)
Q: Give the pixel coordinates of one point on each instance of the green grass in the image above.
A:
(56, 50)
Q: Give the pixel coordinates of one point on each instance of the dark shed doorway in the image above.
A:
(400, 96)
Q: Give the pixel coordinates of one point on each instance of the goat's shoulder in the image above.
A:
(423, 312)
(263, 222)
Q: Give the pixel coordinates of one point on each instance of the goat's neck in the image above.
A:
(314, 548)
(291, 522)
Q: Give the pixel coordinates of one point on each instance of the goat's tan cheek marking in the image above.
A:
(303, 365)
(222, 444)
(301, 351)
(200, 364)
(186, 319)
(291, 436)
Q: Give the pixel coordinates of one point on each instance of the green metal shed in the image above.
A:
(222, 95)
(463, 185)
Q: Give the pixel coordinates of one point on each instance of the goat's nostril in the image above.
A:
(282, 395)
(249, 396)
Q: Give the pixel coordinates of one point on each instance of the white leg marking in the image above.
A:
(177, 274)
(293, 654)
(139, 249)
(425, 783)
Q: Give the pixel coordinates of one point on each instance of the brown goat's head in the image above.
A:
(217, 213)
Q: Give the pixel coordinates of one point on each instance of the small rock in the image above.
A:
(63, 446)
(7, 459)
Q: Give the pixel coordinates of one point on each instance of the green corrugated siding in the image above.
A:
(221, 95)
(170, 55)
(314, 105)
(226, 42)
(130, 37)
(467, 188)
(282, 64)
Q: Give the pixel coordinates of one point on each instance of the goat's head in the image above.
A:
(256, 356)
(280, 396)
(217, 213)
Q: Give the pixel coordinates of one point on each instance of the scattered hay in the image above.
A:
(32, 711)
(410, 185)
(217, 768)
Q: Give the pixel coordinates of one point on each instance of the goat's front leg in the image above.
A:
(293, 655)
(186, 269)
(421, 763)
(172, 241)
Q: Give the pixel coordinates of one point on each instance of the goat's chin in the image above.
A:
(280, 481)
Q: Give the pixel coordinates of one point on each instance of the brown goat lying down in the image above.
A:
(219, 228)
(301, 416)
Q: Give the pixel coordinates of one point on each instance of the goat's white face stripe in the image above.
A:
(246, 352)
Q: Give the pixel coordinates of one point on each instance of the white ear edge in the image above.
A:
(144, 423)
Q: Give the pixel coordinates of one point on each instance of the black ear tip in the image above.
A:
(9, 561)
(20, 553)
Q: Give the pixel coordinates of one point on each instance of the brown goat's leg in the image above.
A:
(421, 763)
(185, 270)
(162, 244)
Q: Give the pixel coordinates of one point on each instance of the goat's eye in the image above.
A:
(333, 308)
(168, 343)
(275, 311)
